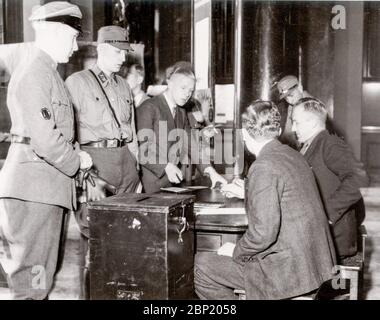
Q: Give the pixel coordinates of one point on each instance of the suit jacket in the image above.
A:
(166, 145)
(287, 250)
(339, 176)
(40, 109)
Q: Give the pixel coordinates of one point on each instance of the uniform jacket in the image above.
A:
(167, 145)
(40, 109)
(95, 121)
(339, 176)
(287, 250)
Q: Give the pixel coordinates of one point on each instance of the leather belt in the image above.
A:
(114, 143)
(19, 139)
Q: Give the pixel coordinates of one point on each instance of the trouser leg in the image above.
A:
(118, 167)
(30, 235)
(216, 277)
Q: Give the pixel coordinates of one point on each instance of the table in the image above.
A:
(213, 230)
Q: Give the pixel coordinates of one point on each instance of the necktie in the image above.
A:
(174, 112)
(304, 148)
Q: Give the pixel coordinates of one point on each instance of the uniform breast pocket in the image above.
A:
(64, 117)
(94, 110)
(62, 112)
(126, 106)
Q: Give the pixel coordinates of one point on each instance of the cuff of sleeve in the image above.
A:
(208, 170)
(71, 166)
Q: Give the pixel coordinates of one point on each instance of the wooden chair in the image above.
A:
(351, 269)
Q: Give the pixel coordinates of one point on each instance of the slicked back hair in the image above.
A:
(180, 67)
(262, 120)
(314, 106)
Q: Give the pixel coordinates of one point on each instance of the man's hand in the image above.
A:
(227, 249)
(209, 132)
(95, 193)
(85, 160)
(173, 173)
(239, 182)
(233, 190)
(214, 177)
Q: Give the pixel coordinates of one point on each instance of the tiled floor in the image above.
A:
(67, 279)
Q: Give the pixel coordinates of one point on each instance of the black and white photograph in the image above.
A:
(202, 151)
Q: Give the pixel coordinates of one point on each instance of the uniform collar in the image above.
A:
(103, 78)
(46, 58)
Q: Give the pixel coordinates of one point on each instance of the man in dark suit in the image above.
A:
(339, 175)
(164, 134)
(287, 250)
(290, 90)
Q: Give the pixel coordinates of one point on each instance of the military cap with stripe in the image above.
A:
(58, 11)
(115, 36)
(286, 84)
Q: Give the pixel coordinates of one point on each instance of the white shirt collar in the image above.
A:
(171, 105)
(138, 97)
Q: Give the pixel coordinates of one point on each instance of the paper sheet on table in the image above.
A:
(175, 189)
(216, 211)
(224, 102)
(196, 187)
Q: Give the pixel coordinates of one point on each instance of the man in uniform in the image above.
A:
(291, 91)
(36, 182)
(105, 117)
(105, 123)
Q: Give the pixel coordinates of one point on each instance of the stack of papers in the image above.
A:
(183, 189)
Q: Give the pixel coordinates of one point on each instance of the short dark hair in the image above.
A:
(139, 69)
(314, 106)
(180, 67)
(262, 119)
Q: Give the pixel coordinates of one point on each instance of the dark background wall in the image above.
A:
(341, 67)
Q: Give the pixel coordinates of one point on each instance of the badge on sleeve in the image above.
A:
(45, 112)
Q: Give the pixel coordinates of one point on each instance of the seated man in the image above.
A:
(287, 250)
(339, 175)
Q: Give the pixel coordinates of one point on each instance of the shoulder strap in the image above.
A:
(109, 103)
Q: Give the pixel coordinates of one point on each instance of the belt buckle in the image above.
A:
(112, 143)
(115, 143)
